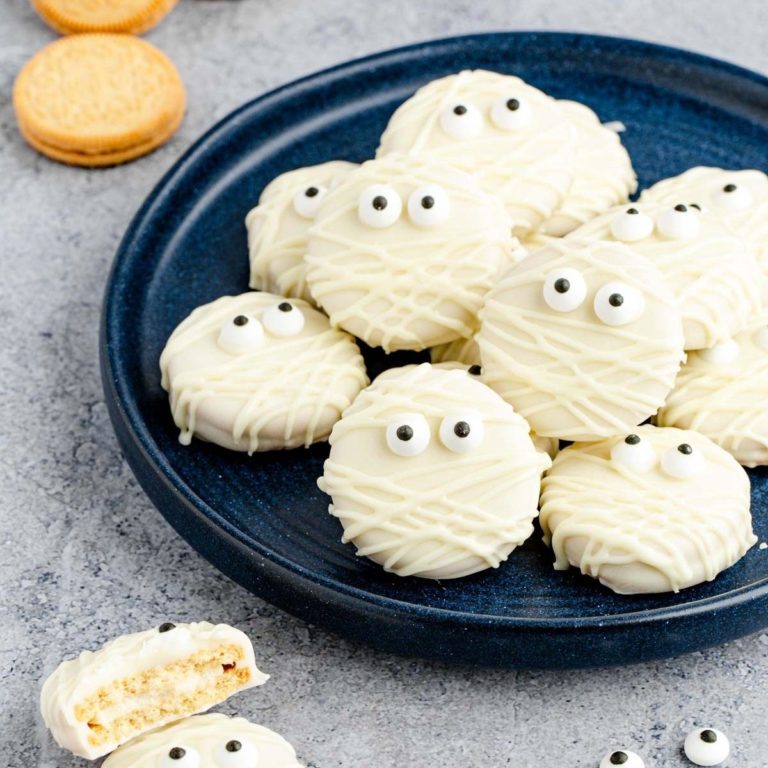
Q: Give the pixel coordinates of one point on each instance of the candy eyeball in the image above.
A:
(634, 453)
(707, 746)
(732, 197)
(283, 319)
(307, 201)
(166, 626)
(721, 354)
(461, 433)
(236, 754)
(682, 462)
(618, 304)
(622, 757)
(477, 370)
(631, 225)
(461, 120)
(429, 206)
(679, 223)
(564, 289)
(379, 206)
(408, 434)
(242, 333)
(179, 757)
(511, 114)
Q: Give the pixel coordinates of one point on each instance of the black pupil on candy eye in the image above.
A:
(632, 211)
(404, 433)
(379, 202)
(284, 306)
(562, 285)
(710, 737)
(631, 439)
(427, 201)
(729, 188)
(240, 320)
(619, 758)
(166, 627)
(233, 746)
(685, 449)
(461, 429)
(177, 753)
(681, 208)
(513, 105)
(475, 370)
(311, 191)
(459, 109)
(696, 206)
(615, 299)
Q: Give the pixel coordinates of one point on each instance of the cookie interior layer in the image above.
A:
(137, 682)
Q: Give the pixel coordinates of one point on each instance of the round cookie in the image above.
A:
(712, 272)
(403, 250)
(278, 226)
(657, 510)
(432, 474)
(738, 198)
(602, 177)
(722, 392)
(256, 372)
(516, 140)
(121, 16)
(206, 741)
(98, 99)
(584, 339)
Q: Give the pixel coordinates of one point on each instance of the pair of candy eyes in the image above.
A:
(244, 333)
(408, 434)
(638, 455)
(679, 223)
(704, 746)
(464, 120)
(380, 206)
(232, 754)
(615, 303)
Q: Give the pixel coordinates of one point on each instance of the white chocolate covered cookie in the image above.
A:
(516, 140)
(723, 393)
(738, 198)
(278, 226)
(137, 682)
(656, 510)
(207, 741)
(712, 272)
(403, 250)
(583, 339)
(602, 176)
(432, 474)
(257, 372)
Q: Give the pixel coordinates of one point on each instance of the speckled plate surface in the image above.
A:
(262, 519)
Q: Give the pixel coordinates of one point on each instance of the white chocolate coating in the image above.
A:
(602, 177)
(529, 166)
(725, 398)
(646, 532)
(277, 232)
(407, 286)
(204, 739)
(712, 272)
(285, 392)
(569, 374)
(440, 514)
(463, 351)
(75, 680)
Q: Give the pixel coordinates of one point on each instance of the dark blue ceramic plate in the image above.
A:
(262, 520)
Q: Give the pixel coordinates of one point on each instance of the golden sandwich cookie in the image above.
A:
(126, 16)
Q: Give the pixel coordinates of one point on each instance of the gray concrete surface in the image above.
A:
(84, 556)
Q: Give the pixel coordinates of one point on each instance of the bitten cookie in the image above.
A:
(98, 99)
(656, 510)
(278, 226)
(137, 682)
(723, 393)
(583, 339)
(206, 741)
(432, 474)
(712, 271)
(257, 372)
(402, 251)
(517, 141)
(124, 16)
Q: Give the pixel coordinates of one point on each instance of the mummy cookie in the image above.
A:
(257, 372)
(403, 250)
(137, 682)
(584, 340)
(655, 510)
(723, 393)
(603, 173)
(516, 140)
(206, 741)
(278, 226)
(432, 474)
(738, 198)
(711, 271)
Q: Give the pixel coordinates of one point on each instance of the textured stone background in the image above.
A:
(83, 555)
